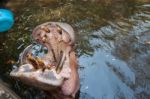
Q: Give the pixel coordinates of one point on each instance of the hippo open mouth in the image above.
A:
(45, 70)
(37, 72)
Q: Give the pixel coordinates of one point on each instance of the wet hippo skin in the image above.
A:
(60, 61)
(60, 40)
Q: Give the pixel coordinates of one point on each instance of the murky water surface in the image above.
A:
(113, 45)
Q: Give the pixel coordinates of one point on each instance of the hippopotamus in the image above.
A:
(55, 70)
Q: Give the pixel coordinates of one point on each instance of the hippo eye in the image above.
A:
(59, 30)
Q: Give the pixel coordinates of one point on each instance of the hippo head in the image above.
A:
(47, 71)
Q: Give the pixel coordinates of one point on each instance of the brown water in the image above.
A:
(113, 44)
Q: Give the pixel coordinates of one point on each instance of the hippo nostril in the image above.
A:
(59, 30)
(45, 36)
(45, 29)
(38, 34)
(48, 31)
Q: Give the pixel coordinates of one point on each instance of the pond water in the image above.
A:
(113, 45)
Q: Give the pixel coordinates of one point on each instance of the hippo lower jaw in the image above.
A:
(46, 80)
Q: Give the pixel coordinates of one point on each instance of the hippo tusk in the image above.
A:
(60, 63)
(24, 54)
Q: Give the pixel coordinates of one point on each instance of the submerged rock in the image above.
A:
(6, 92)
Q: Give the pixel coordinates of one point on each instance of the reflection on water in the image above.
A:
(113, 45)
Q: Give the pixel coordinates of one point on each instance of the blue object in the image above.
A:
(6, 19)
